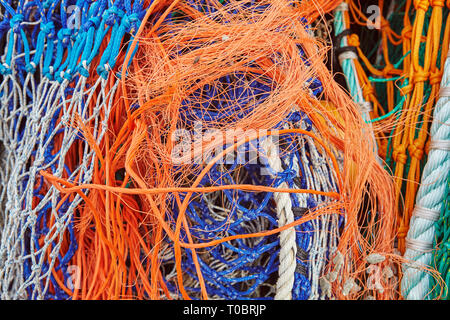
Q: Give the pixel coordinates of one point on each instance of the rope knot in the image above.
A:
(48, 28)
(420, 76)
(416, 149)
(129, 21)
(353, 40)
(64, 35)
(406, 89)
(399, 154)
(15, 22)
(31, 67)
(368, 91)
(421, 5)
(407, 32)
(287, 174)
(49, 73)
(384, 23)
(387, 70)
(59, 77)
(83, 70)
(5, 69)
(68, 75)
(438, 3)
(93, 22)
(103, 71)
(111, 14)
(435, 77)
(250, 215)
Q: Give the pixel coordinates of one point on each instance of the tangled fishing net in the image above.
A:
(195, 149)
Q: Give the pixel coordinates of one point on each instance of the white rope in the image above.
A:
(324, 240)
(443, 145)
(343, 6)
(365, 107)
(425, 213)
(418, 245)
(288, 247)
(444, 92)
(347, 55)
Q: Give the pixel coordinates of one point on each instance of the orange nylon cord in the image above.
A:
(411, 132)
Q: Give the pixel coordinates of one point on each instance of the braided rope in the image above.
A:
(429, 201)
(285, 216)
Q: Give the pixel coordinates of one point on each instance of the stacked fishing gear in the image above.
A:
(203, 149)
(405, 82)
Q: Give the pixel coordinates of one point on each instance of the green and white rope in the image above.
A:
(346, 61)
(430, 200)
